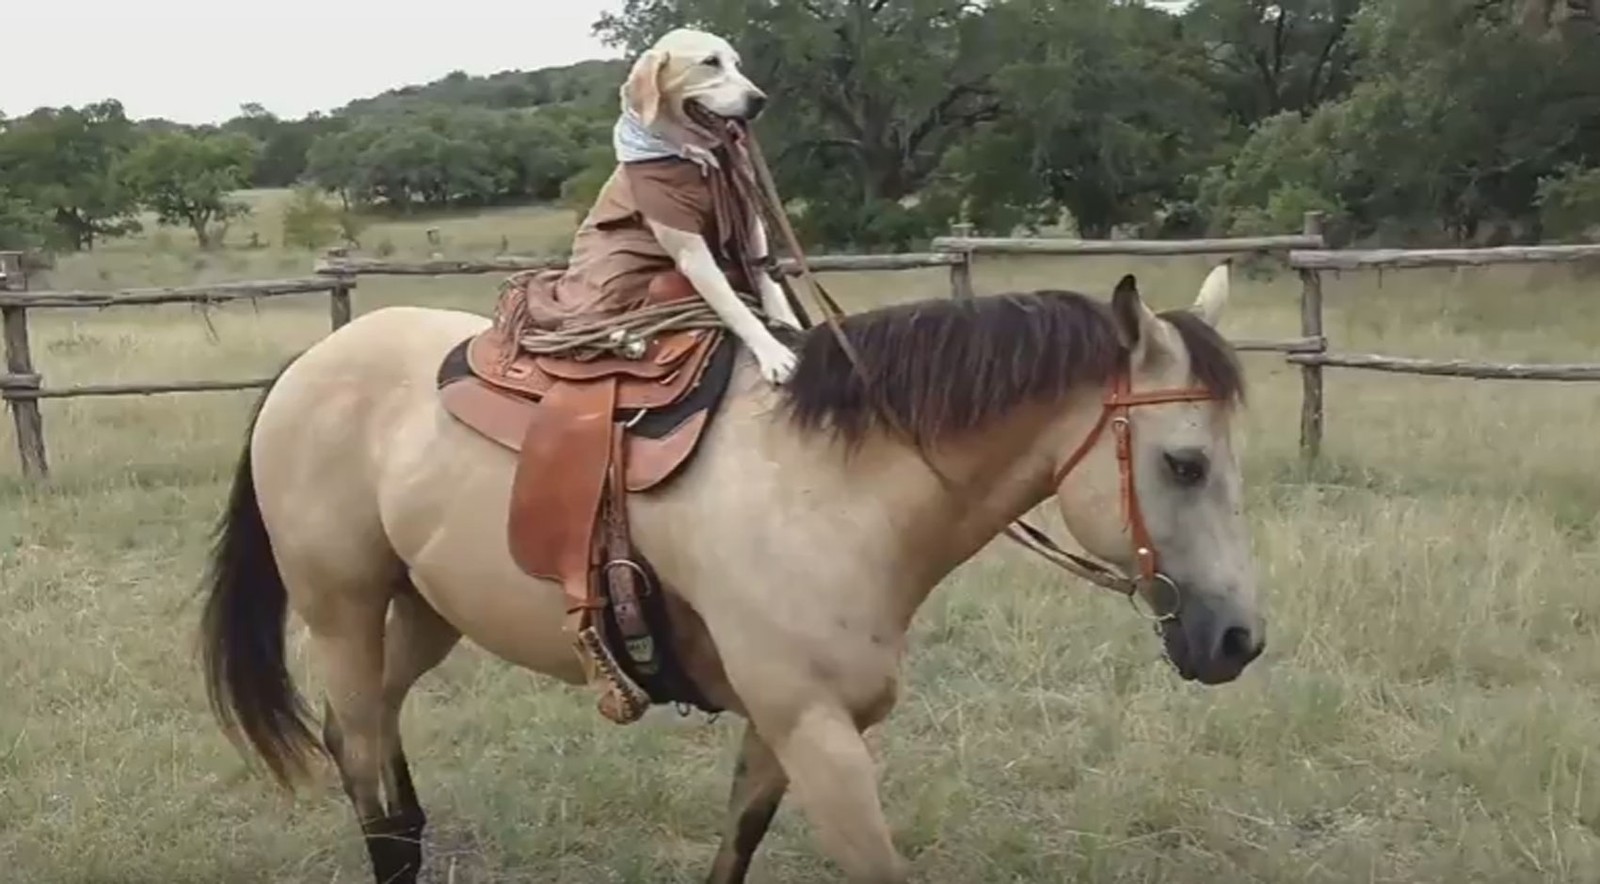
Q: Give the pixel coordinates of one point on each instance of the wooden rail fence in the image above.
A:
(21, 386)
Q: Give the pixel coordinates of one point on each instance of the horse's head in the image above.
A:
(1156, 488)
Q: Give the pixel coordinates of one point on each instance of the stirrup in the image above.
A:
(621, 701)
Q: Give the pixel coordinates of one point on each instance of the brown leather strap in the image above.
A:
(831, 311)
(617, 569)
(767, 192)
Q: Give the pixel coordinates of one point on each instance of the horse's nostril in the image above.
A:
(1238, 644)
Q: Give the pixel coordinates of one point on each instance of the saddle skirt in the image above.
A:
(588, 429)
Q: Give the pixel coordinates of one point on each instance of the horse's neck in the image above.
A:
(996, 474)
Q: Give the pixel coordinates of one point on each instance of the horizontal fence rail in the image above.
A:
(1129, 247)
(1455, 368)
(22, 386)
(1287, 345)
(22, 391)
(341, 266)
(1378, 259)
(200, 294)
(1310, 263)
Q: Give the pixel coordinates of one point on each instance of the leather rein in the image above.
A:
(1119, 399)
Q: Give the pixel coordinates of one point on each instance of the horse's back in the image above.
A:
(391, 339)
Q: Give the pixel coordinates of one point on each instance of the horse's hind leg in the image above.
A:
(369, 674)
(758, 786)
(418, 640)
(360, 727)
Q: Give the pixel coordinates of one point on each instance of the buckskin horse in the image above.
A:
(380, 518)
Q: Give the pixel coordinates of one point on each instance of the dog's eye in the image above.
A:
(1187, 467)
(713, 62)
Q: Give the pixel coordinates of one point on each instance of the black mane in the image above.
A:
(945, 366)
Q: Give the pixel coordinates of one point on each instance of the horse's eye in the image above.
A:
(1187, 467)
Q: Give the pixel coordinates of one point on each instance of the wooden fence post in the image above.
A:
(1311, 411)
(961, 271)
(339, 295)
(339, 304)
(19, 362)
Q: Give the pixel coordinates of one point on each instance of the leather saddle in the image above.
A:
(588, 430)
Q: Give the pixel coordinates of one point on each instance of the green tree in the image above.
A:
(1106, 111)
(1460, 110)
(1270, 56)
(438, 156)
(189, 179)
(308, 221)
(282, 144)
(22, 224)
(64, 161)
(869, 96)
(1569, 203)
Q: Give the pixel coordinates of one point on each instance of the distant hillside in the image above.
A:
(587, 84)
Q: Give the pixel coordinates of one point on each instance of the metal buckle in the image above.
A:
(644, 578)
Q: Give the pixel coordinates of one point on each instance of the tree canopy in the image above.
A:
(1408, 121)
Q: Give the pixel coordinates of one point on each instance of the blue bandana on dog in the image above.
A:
(633, 143)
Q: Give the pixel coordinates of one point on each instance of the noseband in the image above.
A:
(1149, 579)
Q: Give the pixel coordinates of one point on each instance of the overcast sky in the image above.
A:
(196, 61)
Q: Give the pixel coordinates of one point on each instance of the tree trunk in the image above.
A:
(202, 232)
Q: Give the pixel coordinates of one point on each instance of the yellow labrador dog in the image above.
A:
(677, 94)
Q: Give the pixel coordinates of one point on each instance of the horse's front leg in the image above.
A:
(810, 701)
(833, 777)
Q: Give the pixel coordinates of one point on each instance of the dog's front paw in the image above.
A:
(776, 365)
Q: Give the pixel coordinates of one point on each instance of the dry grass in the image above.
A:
(1425, 712)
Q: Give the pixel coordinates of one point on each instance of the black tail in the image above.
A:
(247, 680)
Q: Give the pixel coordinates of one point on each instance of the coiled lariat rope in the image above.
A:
(628, 334)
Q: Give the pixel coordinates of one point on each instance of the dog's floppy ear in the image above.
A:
(642, 91)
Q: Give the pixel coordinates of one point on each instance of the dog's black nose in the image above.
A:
(755, 105)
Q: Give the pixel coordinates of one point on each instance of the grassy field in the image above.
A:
(1425, 710)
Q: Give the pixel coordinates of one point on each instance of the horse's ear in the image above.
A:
(641, 93)
(1134, 319)
(1213, 294)
(1138, 327)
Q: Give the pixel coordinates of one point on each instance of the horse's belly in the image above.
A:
(448, 523)
(494, 604)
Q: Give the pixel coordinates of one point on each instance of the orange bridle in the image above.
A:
(1114, 413)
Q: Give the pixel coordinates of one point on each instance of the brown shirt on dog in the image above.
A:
(614, 254)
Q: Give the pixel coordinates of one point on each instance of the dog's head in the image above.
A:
(691, 77)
